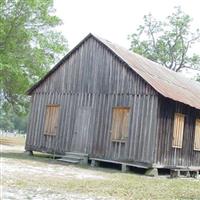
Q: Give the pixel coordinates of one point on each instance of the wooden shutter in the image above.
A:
(120, 122)
(51, 120)
(197, 136)
(178, 130)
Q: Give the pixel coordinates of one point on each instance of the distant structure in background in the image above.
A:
(102, 101)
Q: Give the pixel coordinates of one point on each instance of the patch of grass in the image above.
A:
(136, 187)
(120, 186)
(38, 157)
(116, 184)
(21, 183)
(12, 140)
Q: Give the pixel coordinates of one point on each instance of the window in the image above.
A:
(178, 130)
(120, 122)
(197, 136)
(51, 119)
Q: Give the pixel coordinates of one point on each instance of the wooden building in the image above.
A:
(116, 106)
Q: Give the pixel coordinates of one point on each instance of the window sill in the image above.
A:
(120, 141)
(196, 149)
(47, 134)
(175, 147)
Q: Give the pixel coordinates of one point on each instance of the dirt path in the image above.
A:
(16, 173)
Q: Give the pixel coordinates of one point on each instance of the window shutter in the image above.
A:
(120, 122)
(197, 136)
(51, 120)
(179, 120)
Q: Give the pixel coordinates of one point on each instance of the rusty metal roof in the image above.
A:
(168, 83)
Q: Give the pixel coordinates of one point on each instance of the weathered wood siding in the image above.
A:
(92, 77)
(166, 154)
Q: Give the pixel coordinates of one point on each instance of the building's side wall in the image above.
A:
(93, 77)
(166, 154)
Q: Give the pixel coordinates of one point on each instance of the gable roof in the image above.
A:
(168, 83)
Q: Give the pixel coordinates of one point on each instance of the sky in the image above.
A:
(114, 20)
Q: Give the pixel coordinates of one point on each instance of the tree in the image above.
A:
(168, 42)
(29, 45)
(10, 121)
(6, 123)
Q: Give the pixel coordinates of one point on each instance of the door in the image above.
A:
(80, 135)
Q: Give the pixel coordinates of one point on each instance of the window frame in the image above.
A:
(46, 123)
(176, 136)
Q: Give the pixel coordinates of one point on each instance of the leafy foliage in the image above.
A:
(10, 121)
(29, 46)
(167, 42)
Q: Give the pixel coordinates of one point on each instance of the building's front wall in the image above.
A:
(93, 81)
(166, 154)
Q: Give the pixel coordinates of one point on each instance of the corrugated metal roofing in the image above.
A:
(168, 83)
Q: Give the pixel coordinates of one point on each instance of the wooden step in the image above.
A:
(71, 157)
(68, 160)
(76, 154)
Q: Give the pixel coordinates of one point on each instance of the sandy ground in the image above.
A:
(37, 177)
(15, 170)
